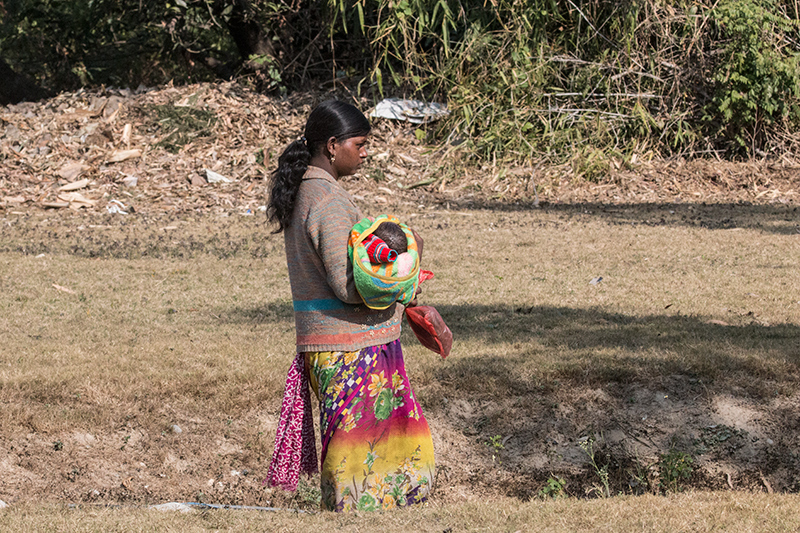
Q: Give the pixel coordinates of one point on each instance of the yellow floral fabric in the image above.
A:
(377, 451)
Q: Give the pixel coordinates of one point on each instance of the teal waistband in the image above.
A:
(325, 304)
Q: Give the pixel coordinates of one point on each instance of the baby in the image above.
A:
(389, 244)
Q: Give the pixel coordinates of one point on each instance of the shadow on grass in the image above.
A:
(537, 379)
(281, 311)
(773, 218)
(639, 384)
(164, 236)
(596, 346)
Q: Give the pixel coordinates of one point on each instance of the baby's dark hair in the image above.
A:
(393, 235)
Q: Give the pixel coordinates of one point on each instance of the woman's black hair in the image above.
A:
(329, 119)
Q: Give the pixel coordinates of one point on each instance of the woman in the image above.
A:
(377, 450)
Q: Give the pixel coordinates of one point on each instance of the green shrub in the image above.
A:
(555, 78)
(553, 488)
(65, 45)
(586, 82)
(674, 467)
(758, 80)
(532, 79)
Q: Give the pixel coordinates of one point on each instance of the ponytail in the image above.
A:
(333, 118)
(292, 164)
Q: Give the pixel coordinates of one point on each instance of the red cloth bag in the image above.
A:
(429, 327)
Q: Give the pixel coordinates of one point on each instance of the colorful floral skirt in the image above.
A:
(377, 451)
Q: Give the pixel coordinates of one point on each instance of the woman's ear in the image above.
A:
(330, 146)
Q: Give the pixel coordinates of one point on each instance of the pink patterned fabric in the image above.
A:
(295, 446)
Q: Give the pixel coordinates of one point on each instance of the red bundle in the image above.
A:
(429, 327)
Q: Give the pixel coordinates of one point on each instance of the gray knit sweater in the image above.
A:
(329, 313)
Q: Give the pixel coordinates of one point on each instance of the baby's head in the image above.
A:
(393, 235)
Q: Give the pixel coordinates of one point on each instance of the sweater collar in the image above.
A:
(316, 173)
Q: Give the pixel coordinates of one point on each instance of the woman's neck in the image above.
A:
(320, 161)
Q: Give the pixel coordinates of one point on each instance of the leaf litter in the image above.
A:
(157, 149)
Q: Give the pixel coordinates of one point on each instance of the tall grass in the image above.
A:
(563, 78)
(586, 80)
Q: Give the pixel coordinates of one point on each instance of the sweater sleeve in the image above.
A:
(328, 225)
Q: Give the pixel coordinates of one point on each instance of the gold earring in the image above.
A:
(333, 158)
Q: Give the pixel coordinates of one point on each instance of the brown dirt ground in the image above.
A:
(210, 463)
(75, 136)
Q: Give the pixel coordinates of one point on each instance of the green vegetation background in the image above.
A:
(525, 80)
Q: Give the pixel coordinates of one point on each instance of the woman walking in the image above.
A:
(377, 450)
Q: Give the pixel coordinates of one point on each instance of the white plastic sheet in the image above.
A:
(414, 111)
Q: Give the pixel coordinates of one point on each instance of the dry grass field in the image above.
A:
(694, 511)
(619, 367)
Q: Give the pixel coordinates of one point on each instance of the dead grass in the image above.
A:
(689, 512)
(123, 329)
(115, 334)
(719, 304)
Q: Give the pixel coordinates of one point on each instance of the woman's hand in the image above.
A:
(414, 302)
(419, 242)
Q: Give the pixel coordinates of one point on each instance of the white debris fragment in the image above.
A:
(414, 111)
(116, 207)
(213, 177)
(172, 506)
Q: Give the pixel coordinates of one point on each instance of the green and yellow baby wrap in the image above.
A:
(375, 283)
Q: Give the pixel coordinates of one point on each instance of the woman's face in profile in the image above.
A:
(350, 153)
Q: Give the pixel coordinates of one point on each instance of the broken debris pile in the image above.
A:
(175, 149)
(113, 149)
(209, 147)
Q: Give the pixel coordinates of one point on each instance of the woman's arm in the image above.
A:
(418, 238)
(328, 225)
